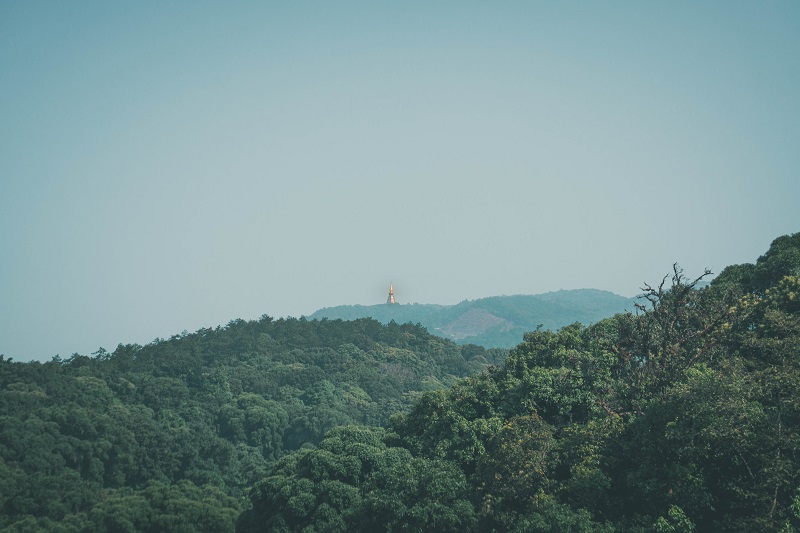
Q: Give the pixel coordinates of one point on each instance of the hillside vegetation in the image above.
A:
(169, 436)
(683, 416)
(497, 321)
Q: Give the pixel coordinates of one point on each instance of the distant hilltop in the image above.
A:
(494, 322)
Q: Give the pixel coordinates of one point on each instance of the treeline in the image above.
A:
(170, 436)
(684, 416)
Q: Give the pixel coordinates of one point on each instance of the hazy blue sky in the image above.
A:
(174, 165)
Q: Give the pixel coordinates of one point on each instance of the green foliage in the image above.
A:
(676, 521)
(684, 416)
(782, 259)
(355, 482)
(85, 437)
(681, 417)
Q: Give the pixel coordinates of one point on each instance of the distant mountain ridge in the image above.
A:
(496, 321)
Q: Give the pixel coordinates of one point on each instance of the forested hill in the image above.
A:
(170, 436)
(681, 417)
(497, 321)
(684, 417)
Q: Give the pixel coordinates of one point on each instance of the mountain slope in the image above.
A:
(497, 321)
(682, 417)
(168, 436)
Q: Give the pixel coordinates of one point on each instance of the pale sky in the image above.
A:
(175, 165)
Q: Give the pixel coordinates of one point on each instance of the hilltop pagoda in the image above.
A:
(390, 299)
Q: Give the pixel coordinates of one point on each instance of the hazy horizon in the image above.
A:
(173, 166)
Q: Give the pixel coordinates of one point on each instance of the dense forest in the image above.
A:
(170, 436)
(681, 416)
(496, 321)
